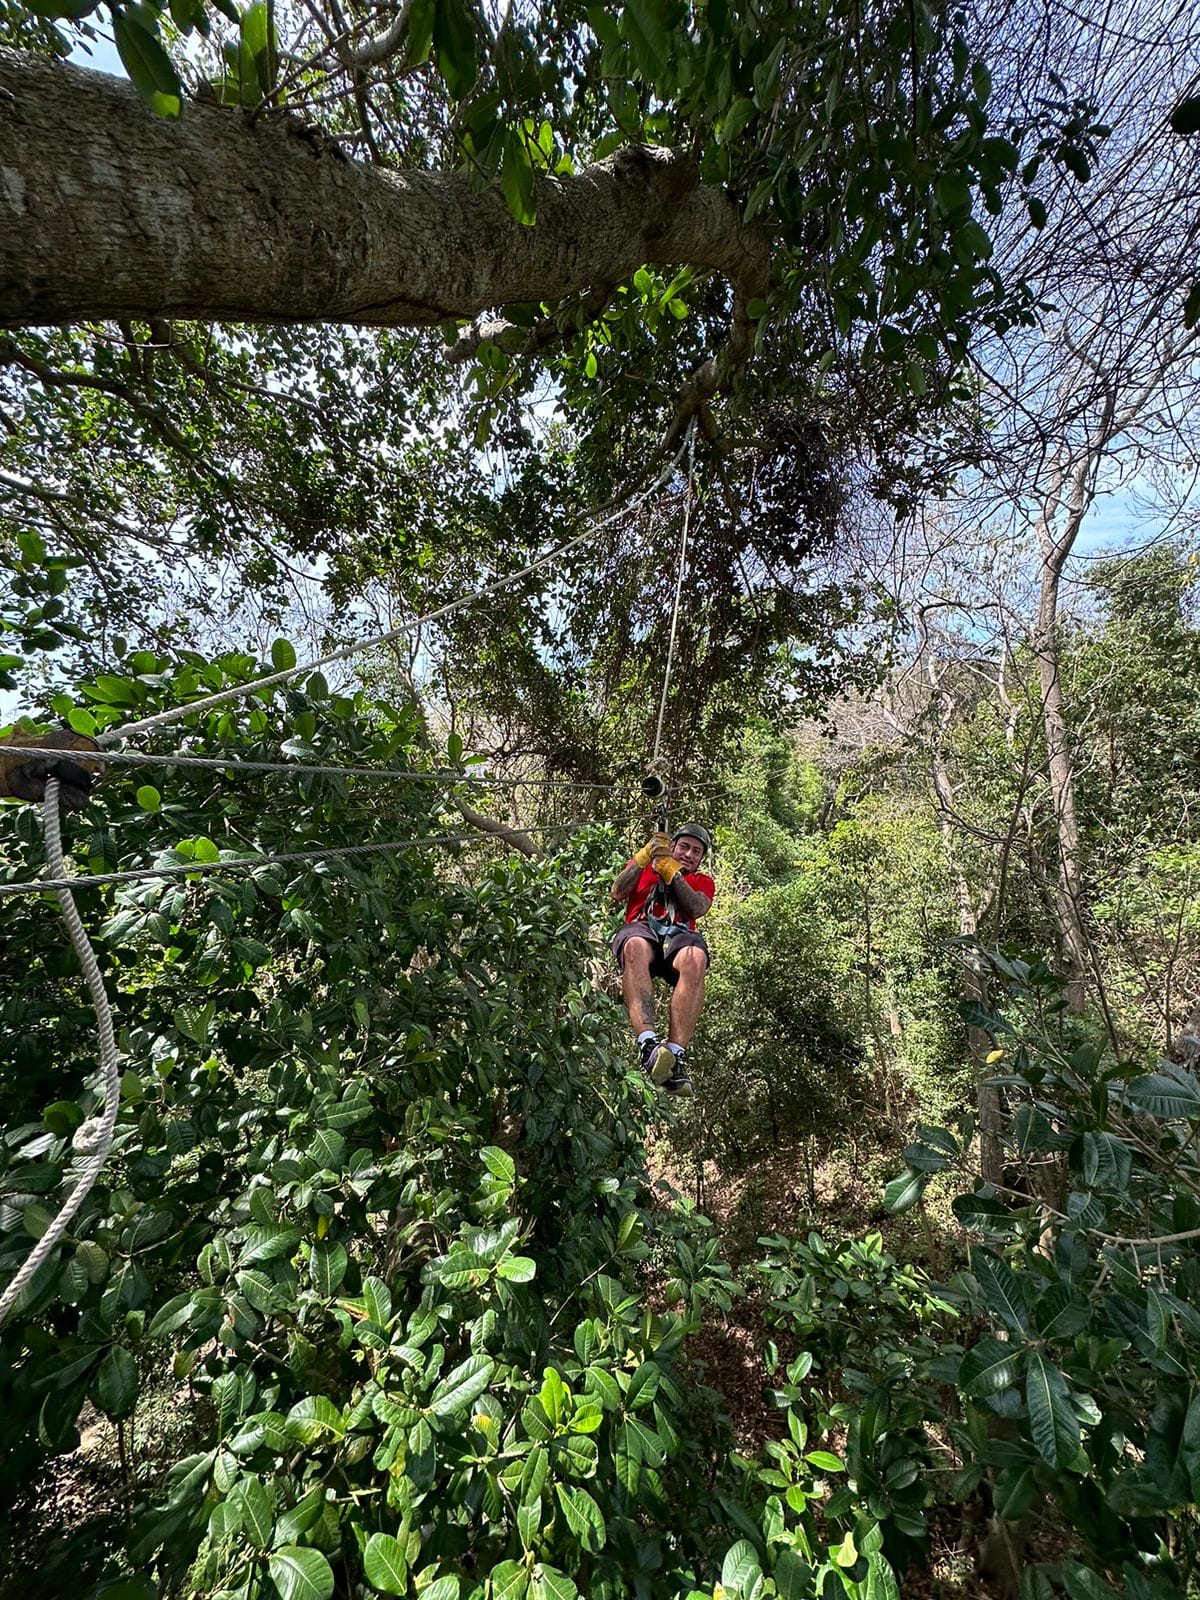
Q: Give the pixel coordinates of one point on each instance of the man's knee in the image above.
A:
(692, 962)
(636, 955)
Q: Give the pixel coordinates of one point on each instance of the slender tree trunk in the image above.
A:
(1068, 887)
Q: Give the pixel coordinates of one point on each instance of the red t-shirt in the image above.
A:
(650, 882)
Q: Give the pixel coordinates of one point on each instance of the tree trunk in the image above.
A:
(109, 211)
(1068, 895)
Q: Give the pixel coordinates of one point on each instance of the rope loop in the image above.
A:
(93, 1140)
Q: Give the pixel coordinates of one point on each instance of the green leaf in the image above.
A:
(988, 1367)
(283, 653)
(741, 1568)
(313, 1416)
(649, 42)
(327, 1262)
(981, 1212)
(455, 42)
(116, 1385)
(904, 1191)
(149, 798)
(149, 67)
(550, 1584)
(1052, 1423)
(509, 1580)
(1107, 1162)
(793, 1575)
(1061, 1312)
(1016, 1490)
(1000, 1289)
(466, 1383)
(825, 1461)
(301, 1574)
(643, 1386)
(516, 1269)
(499, 1163)
(1169, 1096)
(516, 178)
(385, 1564)
(193, 1022)
(256, 1502)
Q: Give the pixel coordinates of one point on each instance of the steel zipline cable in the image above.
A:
(94, 1139)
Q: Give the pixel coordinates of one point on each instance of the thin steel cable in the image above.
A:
(689, 445)
(250, 863)
(162, 719)
(93, 1140)
(173, 758)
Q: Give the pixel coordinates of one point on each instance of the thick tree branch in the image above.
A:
(107, 211)
(513, 836)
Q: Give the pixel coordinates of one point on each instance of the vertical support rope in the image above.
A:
(683, 545)
(93, 1140)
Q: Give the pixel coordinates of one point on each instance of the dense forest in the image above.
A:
(442, 445)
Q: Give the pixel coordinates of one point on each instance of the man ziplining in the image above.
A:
(664, 892)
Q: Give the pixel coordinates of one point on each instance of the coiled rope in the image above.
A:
(92, 1139)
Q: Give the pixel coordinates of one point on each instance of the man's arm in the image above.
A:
(626, 881)
(690, 901)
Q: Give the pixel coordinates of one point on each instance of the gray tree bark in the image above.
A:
(108, 211)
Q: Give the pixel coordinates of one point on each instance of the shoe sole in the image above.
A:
(683, 1088)
(662, 1065)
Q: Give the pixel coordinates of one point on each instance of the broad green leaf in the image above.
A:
(825, 1461)
(149, 67)
(327, 1262)
(499, 1163)
(550, 1584)
(1052, 1423)
(1169, 1096)
(256, 1502)
(904, 1191)
(740, 1569)
(516, 1269)
(1000, 1289)
(385, 1565)
(1015, 1491)
(509, 1580)
(313, 1417)
(116, 1384)
(643, 1386)
(988, 1367)
(456, 1391)
(283, 654)
(300, 1574)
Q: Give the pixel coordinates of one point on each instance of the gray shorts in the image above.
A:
(662, 963)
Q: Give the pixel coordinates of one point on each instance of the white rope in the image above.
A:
(177, 713)
(93, 1140)
(690, 446)
(184, 869)
(174, 758)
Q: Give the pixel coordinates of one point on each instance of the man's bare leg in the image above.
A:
(687, 998)
(637, 986)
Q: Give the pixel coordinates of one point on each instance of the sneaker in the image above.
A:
(658, 1062)
(678, 1082)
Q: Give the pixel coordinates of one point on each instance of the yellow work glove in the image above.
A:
(24, 778)
(658, 844)
(668, 867)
